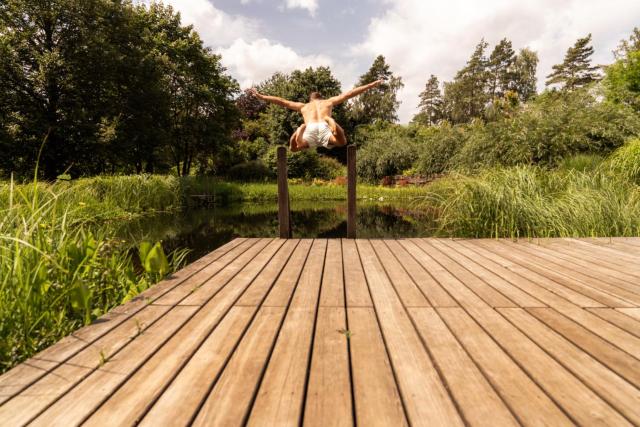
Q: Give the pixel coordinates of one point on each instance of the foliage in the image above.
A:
(576, 70)
(380, 103)
(253, 170)
(388, 151)
(625, 161)
(60, 268)
(305, 164)
(439, 144)
(430, 107)
(112, 86)
(622, 80)
(528, 201)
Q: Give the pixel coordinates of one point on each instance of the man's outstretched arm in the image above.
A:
(296, 106)
(353, 92)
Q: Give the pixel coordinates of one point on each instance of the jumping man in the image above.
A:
(319, 128)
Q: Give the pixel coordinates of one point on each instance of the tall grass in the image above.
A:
(529, 201)
(59, 266)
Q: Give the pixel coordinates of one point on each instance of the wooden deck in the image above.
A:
(370, 332)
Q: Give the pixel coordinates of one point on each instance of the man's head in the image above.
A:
(315, 96)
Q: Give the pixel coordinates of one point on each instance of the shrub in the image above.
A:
(625, 161)
(330, 168)
(439, 144)
(301, 164)
(254, 170)
(387, 151)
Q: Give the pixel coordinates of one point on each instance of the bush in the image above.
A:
(254, 170)
(330, 168)
(581, 163)
(387, 151)
(439, 145)
(625, 161)
(306, 164)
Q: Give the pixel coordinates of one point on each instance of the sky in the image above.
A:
(417, 37)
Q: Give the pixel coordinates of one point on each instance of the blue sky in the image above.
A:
(418, 37)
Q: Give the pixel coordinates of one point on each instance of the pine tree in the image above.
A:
(576, 69)
(501, 69)
(524, 78)
(380, 103)
(430, 103)
(466, 97)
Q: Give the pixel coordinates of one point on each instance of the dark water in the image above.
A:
(203, 230)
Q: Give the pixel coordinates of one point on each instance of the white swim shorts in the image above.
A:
(317, 134)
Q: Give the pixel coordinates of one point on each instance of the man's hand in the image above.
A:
(255, 93)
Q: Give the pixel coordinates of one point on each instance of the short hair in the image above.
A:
(315, 95)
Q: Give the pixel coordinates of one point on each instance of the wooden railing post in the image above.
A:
(284, 213)
(351, 191)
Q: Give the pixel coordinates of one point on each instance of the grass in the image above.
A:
(534, 202)
(60, 267)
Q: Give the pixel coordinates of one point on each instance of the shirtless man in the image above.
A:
(319, 128)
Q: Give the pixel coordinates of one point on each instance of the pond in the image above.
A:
(203, 230)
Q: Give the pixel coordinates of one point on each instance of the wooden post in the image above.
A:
(284, 214)
(351, 191)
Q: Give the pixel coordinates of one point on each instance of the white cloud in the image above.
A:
(421, 37)
(215, 26)
(310, 5)
(252, 62)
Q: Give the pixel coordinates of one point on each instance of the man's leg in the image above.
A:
(339, 138)
(332, 125)
(296, 142)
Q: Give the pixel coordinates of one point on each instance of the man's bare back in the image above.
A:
(319, 128)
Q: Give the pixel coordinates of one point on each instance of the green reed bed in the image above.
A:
(60, 267)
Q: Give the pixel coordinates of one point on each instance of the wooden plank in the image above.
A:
(633, 312)
(352, 178)
(376, 397)
(255, 294)
(425, 398)
(229, 401)
(190, 387)
(280, 293)
(477, 400)
(409, 293)
(607, 248)
(592, 254)
(463, 295)
(559, 276)
(218, 272)
(521, 295)
(328, 400)
(618, 337)
(529, 403)
(25, 374)
(284, 212)
(619, 319)
(245, 266)
(527, 279)
(280, 397)
(478, 286)
(355, 283)
(609, 386)
(435, 294)
(588, 268)
(617, 360)
(144, 386)
(332, 289)
(562, 386)
(40, 395)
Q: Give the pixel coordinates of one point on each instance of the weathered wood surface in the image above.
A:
(358, 332)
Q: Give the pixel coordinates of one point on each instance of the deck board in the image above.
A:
(357, 332)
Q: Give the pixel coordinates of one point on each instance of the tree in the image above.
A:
(380, 103)
(627, 46)
(576, 69)
(466, 97)
(430, 103)
(524, 75)
(297, 86)
(500, 69)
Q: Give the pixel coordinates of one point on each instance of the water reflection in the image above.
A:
(203, 230)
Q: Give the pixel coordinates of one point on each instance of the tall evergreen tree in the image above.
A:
(380, 103)
(430, 103)
(501, 69)
(576, 69)
(524, 75)
(466, 97)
